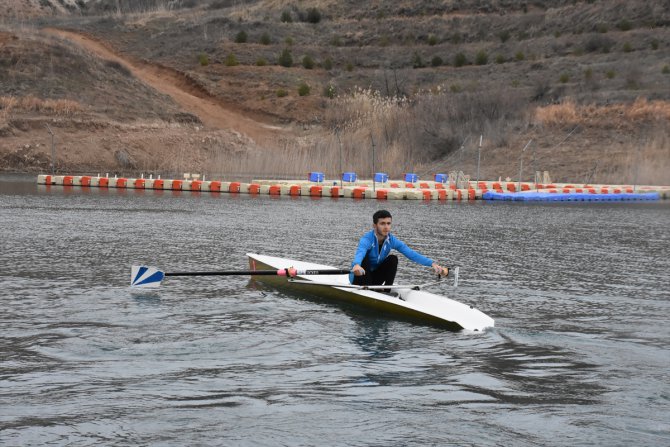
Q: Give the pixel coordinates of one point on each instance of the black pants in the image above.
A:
(384, 275)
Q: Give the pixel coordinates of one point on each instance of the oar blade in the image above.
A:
(145, 276)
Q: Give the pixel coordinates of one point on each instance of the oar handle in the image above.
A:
(290, 272)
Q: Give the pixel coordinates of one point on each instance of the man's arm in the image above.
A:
(411, 254)
(419, 258)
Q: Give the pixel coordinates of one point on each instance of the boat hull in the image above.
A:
(416, 305)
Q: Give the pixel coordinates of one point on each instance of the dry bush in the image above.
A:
(407, 134)
(57, 107)
(646, 162)
(615, 115)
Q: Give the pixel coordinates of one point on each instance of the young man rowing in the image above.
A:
(373, 265)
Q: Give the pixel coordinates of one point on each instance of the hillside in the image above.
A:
(205, 86)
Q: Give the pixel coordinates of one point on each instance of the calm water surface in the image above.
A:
(579, 355)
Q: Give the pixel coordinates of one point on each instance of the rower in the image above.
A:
(373, 264)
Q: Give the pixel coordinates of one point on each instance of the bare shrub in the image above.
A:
(598, 42)
(308, 62)
(123, 159)
(620, 115)
(231, 60)
(58, 107)
(285, 58)
(431, 125)
(265, 39)
(644, 161)
(241, 37)
(303, 89)
(313, 15)
(407, 135)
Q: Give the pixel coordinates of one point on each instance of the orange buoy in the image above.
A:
(358, 193)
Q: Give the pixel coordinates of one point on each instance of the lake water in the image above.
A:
(580, 354)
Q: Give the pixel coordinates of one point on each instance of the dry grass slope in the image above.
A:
(418, 80)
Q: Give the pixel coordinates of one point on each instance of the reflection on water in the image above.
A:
(578, 291)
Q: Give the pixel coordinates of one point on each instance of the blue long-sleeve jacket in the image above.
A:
(368, 246)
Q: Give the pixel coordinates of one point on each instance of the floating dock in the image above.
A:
(366, 189)
(533, 196)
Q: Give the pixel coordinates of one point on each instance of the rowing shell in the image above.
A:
(412, 304)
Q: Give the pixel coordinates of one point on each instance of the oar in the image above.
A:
(145, 276)
(358, 287)
(455, 271)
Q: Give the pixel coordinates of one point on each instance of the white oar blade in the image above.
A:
(456, 276)
(144, 276)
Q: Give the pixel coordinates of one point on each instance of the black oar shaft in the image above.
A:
(280, 272)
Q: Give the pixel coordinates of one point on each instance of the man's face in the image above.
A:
(383, 227)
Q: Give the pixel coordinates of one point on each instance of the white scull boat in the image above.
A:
(411, 302)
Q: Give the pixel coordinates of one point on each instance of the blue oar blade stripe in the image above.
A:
(157, 277)
(139, 274)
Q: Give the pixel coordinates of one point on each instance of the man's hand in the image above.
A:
(442, 271)
(358, 270)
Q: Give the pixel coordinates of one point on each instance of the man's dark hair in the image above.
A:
(381, 214)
